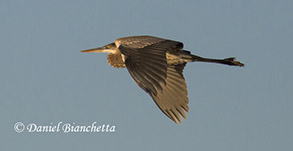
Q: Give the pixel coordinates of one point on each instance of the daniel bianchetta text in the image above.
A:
(65, 128)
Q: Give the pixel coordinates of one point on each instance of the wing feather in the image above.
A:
(137, 41)
(145, 59)
(173, 98)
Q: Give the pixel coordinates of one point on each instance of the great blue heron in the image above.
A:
(156, 65)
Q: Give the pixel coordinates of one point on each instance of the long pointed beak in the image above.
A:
(93, 50)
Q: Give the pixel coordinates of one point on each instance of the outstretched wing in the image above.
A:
(137, 41)
(173, 100)
(145, 59)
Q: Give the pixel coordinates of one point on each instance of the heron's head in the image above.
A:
(110, 48)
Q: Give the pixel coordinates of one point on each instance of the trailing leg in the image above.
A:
(227, 61)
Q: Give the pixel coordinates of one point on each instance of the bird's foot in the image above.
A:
(231, 61)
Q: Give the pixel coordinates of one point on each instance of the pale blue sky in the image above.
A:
(45, 79)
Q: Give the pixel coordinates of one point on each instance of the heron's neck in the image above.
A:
(116, 60)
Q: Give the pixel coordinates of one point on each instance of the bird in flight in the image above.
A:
(156, 65)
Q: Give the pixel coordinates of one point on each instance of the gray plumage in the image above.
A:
(156, 65)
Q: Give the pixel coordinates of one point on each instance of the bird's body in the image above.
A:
(156, 65)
